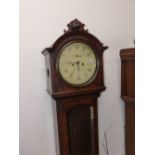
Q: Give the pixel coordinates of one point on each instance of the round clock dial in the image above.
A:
(77, 63)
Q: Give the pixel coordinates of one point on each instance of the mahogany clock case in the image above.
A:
(76, 106)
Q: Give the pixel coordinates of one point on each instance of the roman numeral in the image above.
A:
(78, 78)
(65, 70)
(89, 69)
(83, 48)
(76, 46)
(89, 54)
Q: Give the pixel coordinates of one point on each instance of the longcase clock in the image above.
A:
(74, 66)
(128, 95)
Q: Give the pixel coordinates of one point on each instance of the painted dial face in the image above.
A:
(77, 63)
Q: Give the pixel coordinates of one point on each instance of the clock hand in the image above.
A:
(73, 72)
(78, 65)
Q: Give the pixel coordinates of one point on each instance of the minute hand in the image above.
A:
(73, 71)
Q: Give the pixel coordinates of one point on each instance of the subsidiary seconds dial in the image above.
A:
(77, 63)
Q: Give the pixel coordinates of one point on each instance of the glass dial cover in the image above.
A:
(77, 63)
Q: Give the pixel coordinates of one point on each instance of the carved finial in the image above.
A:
(75, 25)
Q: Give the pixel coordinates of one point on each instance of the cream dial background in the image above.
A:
(77, 63)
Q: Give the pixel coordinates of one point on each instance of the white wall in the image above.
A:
(41, 22)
